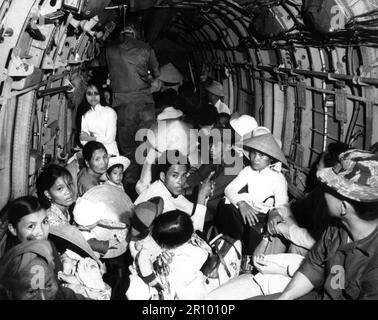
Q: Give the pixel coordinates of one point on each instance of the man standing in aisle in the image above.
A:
(215, 93)
(132, 66)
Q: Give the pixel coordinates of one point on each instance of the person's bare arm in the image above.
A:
(299, 286)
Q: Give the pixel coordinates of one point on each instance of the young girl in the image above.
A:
(28, 221)
(116, 167)
(56, 192)
(99, 123)
(18, 274)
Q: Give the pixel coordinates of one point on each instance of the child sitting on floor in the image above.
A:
(168, 260)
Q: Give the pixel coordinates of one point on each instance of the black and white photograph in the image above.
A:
(186, 155)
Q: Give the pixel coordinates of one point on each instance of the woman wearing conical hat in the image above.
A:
(242, 216)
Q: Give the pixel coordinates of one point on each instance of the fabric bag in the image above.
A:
(224, 262)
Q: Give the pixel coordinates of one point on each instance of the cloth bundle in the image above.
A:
(87, 280)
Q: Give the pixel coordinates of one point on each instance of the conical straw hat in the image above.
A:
(216, 88)
(266, 144)
(169, 73)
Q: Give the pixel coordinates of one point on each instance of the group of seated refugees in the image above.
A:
(81, 236)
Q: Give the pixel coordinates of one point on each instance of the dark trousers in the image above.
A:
(117, 275)
(134, 112)
(229, 221)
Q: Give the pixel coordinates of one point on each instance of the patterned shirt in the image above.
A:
(56, 216)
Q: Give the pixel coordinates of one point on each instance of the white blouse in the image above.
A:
(102, 122)
(261, 185)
